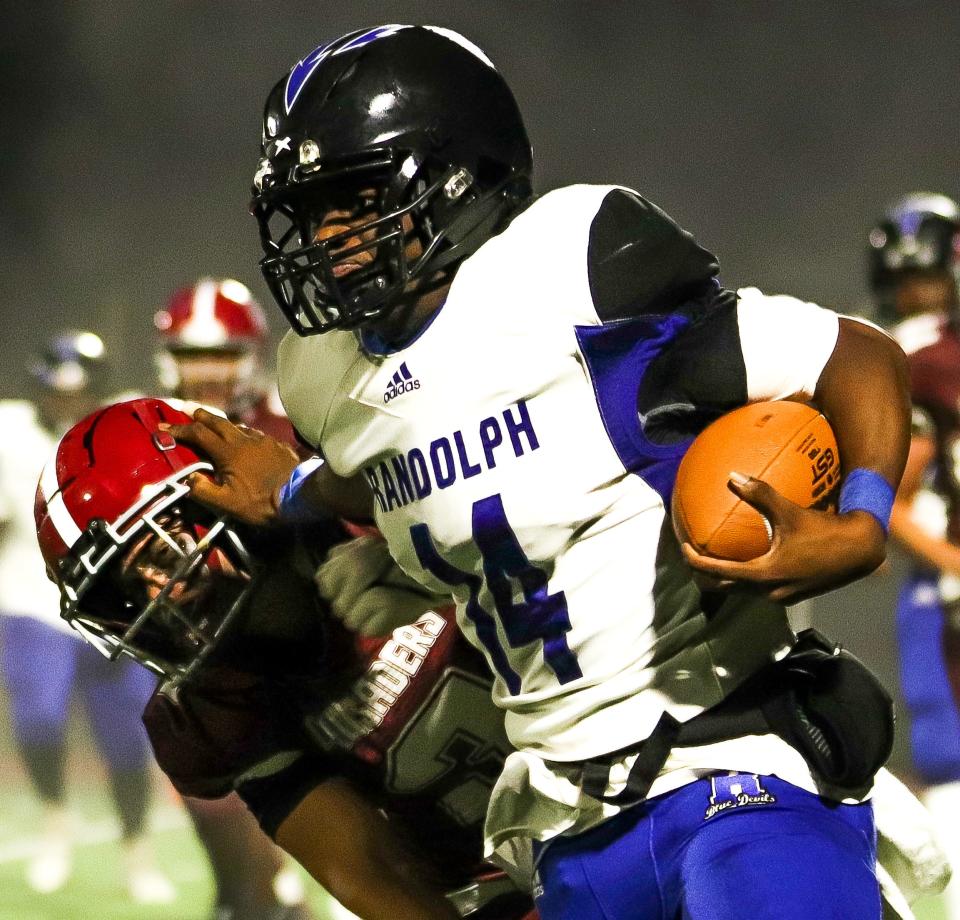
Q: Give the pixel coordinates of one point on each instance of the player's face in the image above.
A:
(341, 217)
(211, 378)
(925, 292)
(355, 210)
(217, 603)
(153, 567)
(398, 323)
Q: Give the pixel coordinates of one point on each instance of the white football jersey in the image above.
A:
(25, 446)
(521, 451)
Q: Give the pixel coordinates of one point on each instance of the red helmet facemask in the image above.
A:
(143, 570)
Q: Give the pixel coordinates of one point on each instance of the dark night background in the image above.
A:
(776, 132)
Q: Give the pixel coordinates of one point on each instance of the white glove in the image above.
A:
(368, 591)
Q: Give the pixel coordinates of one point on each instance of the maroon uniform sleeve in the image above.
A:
(935, 391)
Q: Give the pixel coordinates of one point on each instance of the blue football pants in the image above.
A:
(44, 668)
(929, 693)
(724, 848)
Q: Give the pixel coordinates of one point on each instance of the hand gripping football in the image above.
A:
(788, 445)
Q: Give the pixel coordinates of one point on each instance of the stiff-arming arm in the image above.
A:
(252, 468)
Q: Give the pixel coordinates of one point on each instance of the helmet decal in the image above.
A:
(462, 41)
(304, 69)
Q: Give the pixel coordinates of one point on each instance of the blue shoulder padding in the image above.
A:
(617, 356)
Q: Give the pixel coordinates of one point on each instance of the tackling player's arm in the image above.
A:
(350, 848)
(863, 390)
(252, 468)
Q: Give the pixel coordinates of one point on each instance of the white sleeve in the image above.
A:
(786, 343)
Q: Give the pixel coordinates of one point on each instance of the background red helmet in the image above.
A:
(214, 314)
(211, 335)
(117, 480)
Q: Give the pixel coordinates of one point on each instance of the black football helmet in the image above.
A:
(919, 232)
(386, 123)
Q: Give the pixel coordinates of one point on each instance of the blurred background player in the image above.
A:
(211, 339)
(915, 266)
(914, 258)
(44, 663)
(211, 336)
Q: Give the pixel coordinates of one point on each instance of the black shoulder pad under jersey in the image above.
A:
(640, 261)
(699, 376)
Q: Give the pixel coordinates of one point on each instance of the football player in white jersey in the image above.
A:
(506, 385)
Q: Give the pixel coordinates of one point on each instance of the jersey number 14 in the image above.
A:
(540, 617)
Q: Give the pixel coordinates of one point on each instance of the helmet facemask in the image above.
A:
(222, 378)
(416, 221)
(162, 584)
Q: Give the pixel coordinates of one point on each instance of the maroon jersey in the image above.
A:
(407, 718)
(933, 351)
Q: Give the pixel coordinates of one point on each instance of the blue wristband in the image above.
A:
(866, 490)
(291, 505)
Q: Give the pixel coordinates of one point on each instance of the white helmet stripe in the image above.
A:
(56, 507)
(463, 42)
(203, 330)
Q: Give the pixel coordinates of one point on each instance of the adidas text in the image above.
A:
(398, 389)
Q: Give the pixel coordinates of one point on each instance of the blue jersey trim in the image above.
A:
(617, 356)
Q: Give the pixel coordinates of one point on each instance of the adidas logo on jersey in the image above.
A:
(403, 382)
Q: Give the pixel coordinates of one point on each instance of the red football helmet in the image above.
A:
(216, 314)
(142, 569)
(211, 335)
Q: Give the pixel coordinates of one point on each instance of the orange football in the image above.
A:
(788, 445)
